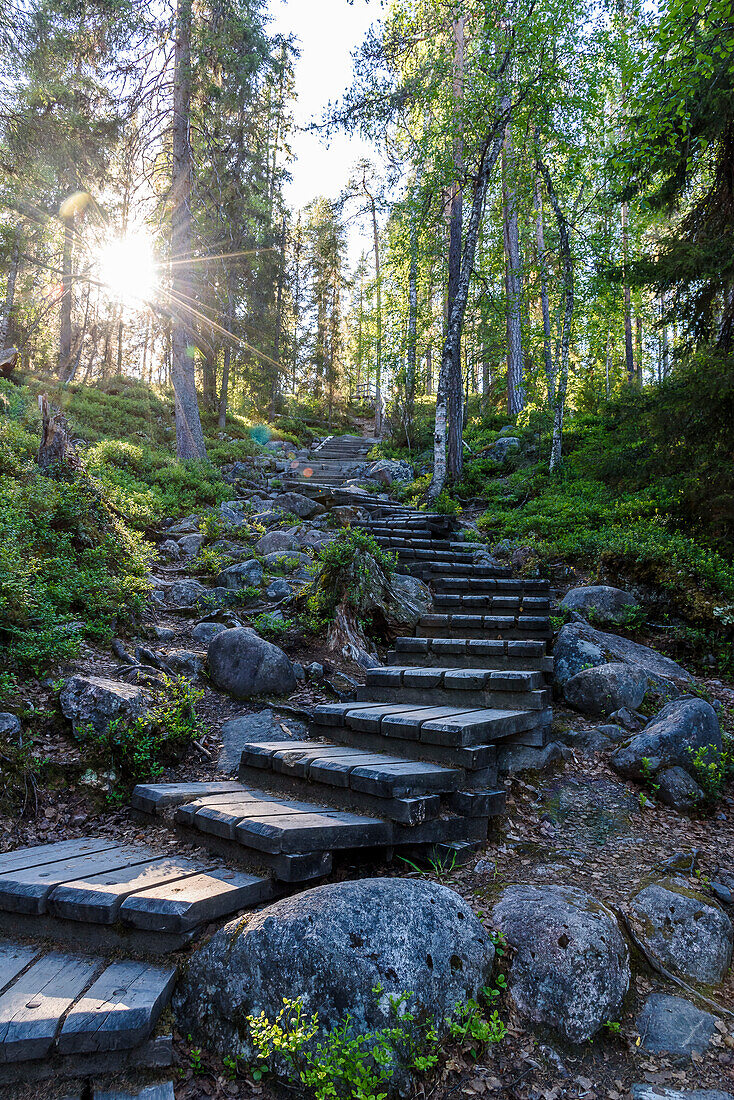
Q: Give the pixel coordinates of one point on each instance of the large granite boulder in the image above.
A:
(503, 447)
(687, 932)
(676, 788)
(605, 689)
(235, 512)
(345, 949)
(604, 603)
(570, 968)
(95, 701)
(658, 1092)
(186, 593)
(244, 664)
(243, 574)
(669, 740)
(388, 470)
(411, 599)
(579, 646)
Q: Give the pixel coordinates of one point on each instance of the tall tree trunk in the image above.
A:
(550, 371)
(607, 358)
(5, 317)
(488, 158)
(513, 280)
(638, 338)
(629, 353)
(66, 294)
(455, 394)
(411, 350)
(378, 343)
(189, 433)
(278, 322)
(665, 348)
(224, 390)
(429, 370)
(565, 342)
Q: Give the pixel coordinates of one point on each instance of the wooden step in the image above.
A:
(489, 604)
(483, 626)
(72, 1014)
(472, 653)
(427, 569)
(445, 686)
(100, 892)
(469, 584)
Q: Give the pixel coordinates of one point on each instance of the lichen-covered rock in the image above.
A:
(513, 759)
(243, 574)
(335, 946)
(298, 504)
(672, 1025)
(190, 545)
(204, 632)
(687, 932)
(606, 604)
(279, 589)
(186, 593)
(504, 446)
(657, 1092)
(95, 701)
(604, 689)
(677, 731)
(169, 548)
(579, 646)
(184, 662)
(388, 470)
(570, 968)
(275, 540)
(9, 725)
(244, 664)
(411, 599)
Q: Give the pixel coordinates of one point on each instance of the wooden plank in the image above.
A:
(183, 905)
(404, 778)
(97, 898)
(222, 820)
(304, 832)
(154, 798)
(31, 1009)
(14, 957)
(27, 890)
(52, 853)
(119, 1010)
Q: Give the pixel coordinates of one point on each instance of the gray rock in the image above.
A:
(678, 789)
(244, 574)
(170, 549)
(161, 1091)
(347, 514)
(414, 597)
(244, 664)
(512, 759)
(388, 470)
(613, 732)
(275, 540)
(657, 1092)
(298, 504)
(204, 632)
(163, 633)
(673, 1025)
(604, 689)
(95, 701)
(685, 724)
(299, 672)
(235, 512)
(593, 740)
(191, 545)
(9, 725)
(687, 932)
(315, 671)
(184, 663)
(504, 446)
(186, 593)
(314, 540)
(609, 605)
(262, 726)
(334, 946)
(571, 968)
(580, 646)
(189, 525)
(625, 719)
(290, 560)
(279, 589)
(228, 549)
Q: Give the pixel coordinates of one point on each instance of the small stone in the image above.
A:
(512, 759)
(626, 720)
(279, 589)
(185, 663)
(204, 632)
(186, 593)
(315, 671)
(163, 633)
(721, 892)
(96, 701)
(673, 1025)
(170, 549)
(275, 540)
(9, 725)
(191, 545)
(244, 574)
(678, 789)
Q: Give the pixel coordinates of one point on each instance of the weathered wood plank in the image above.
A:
(181, 906)
(304, 832)
(119, 1010)
(51, 853)
(27, 890)
(154, 798)
(31, 1008)
(14, 957)
(97, 898)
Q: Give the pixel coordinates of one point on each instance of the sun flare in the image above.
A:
(127, 268)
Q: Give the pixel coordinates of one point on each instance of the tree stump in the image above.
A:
(56, 450)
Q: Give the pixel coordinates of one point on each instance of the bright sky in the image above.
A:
(328, 31)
